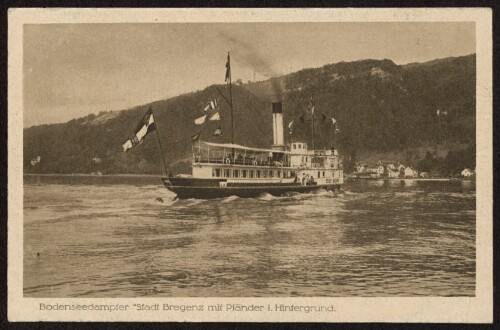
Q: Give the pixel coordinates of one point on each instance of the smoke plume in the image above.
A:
(248, 55)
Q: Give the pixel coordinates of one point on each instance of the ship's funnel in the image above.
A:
(278, 138)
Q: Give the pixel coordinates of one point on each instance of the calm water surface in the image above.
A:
(112, 237)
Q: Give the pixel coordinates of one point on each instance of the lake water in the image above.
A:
(126, 237)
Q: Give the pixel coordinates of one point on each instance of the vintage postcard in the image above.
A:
(278, 165)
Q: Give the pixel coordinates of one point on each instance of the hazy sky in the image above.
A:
(71, 70)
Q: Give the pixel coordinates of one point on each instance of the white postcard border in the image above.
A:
(477, 309)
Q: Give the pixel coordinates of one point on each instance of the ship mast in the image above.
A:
(312, 124)
(228, 79)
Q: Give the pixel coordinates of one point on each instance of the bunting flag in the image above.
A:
(146, 126)
(218, 132)
(290, 125)
(215, 116)
(211, 105)
(200, 120)
(323, 116)
(228, 69)
(334, 121)
(195, 137)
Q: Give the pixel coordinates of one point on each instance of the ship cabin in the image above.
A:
(244, 164)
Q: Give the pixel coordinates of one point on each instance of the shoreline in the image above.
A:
(411, 179)
(94, 175)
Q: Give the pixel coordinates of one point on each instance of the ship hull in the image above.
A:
(209, 189)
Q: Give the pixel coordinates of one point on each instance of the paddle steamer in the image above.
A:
(220, 170)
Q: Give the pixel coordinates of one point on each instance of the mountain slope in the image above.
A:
(379, 107)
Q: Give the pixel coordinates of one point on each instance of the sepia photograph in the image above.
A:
(249, 158)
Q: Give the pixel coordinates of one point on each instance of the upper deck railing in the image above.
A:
(249, 161)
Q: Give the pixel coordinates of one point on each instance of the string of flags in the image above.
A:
(211, 113)
(310, 110)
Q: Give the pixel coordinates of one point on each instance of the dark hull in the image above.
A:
(209, 188)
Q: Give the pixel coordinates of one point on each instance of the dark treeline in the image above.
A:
(378, 105)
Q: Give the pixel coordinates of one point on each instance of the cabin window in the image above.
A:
(216, 172)
(258, 173)
(235, 173)
(300, 146)
(306, 159)
(292, 173)
(244, 173)
(294, 146)
(318, 174)
(323, 173)
(279, 174)
(264, 173)
(250, 173)
(271, 173)
(226, 173)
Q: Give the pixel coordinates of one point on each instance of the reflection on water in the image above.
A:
(376, 238)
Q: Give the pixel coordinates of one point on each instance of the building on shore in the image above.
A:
(410, 173)
(467, 173)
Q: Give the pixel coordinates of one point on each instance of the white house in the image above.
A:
(36, 160)
(380, 169)
(385, 168)
(467, 173)
(410, 173)
(393, 174)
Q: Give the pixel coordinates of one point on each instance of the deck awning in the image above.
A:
(237, 146)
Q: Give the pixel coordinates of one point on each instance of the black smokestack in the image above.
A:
(277, 107)
(278, 137)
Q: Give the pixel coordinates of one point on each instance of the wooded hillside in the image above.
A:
(381, 109)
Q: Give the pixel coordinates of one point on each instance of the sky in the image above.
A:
(72, 70)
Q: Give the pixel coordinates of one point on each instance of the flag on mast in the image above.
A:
(215, 116)
(290, 126)
(228, 68)
(146, 126)
(211, 105)
(195, 137)
(201, 120)
(218, 132)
